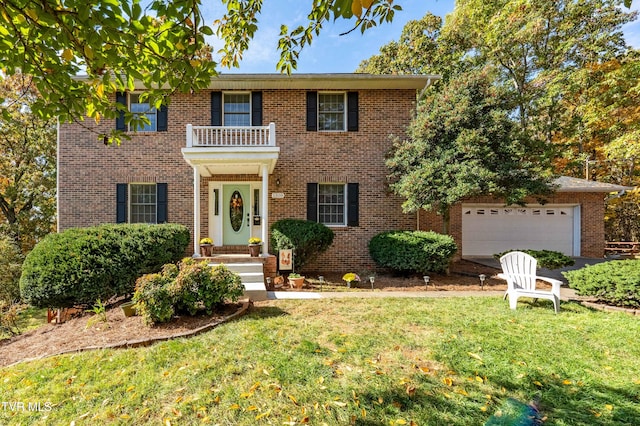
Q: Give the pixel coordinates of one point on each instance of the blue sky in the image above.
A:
(330, 52)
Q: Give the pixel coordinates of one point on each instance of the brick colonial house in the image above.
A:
(230, 161)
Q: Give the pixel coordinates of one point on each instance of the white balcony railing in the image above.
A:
(223, 136)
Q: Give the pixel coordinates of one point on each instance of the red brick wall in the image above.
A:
(591, 210)
(89, 171)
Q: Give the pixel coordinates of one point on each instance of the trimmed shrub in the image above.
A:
(153, 300)
(412, 251)
(616, 282)
(10, 269)
(81, 265)
(191, 287)
(546, 258)
(308, 238)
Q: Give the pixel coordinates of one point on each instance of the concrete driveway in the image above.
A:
(581, 262)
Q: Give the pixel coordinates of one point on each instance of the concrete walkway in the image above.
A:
(299, 295)
(580, 262)
(566, 293)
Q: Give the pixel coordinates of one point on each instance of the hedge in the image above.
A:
(615, 282)
(412, 251)
(81, 265)
(308, 238)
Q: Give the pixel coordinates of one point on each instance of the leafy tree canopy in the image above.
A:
(27, 164)
(159, 43)
(462, 145)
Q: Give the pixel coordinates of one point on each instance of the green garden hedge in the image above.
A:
(616, 282)
(412, 251)
(81, 265)
(308, 238)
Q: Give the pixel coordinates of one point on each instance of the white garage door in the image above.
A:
(487, 229)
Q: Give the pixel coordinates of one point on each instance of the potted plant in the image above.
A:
(206, 247)
(255, 245)
(296, 280)
(349, 277)
(129, 308)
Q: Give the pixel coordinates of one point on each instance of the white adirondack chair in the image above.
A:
(519, 270)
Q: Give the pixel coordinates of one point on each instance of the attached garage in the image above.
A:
(488, 229)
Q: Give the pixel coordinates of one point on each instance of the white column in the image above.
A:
(265, 210)
(189, 135)
(196, 210)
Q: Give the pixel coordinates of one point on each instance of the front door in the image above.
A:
(236, 214)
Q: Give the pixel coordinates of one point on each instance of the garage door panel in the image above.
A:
(487, 230)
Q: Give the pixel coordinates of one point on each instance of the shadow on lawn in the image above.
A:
(266, 312)
(582, 404)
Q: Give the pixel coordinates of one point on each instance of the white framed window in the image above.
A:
(237, 109)
(332, 111)
(139, 107)
(332, 208)
(143, 203)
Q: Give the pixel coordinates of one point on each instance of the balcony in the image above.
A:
(224, 150)
(227, 136)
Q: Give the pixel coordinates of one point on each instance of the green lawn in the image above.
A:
(364, 362)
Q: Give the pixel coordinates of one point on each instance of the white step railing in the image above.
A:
(228, 136)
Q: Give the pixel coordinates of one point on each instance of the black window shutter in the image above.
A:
(312, 202)
(163, 118)
(256, 108)
(121, 203)
(161, 203)
(121, 98)
(312, 111)
(353, 205)
(352, 111)
(216, 108)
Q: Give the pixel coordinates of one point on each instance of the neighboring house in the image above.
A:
(230, 161)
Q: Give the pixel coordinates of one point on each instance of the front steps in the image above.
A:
(251, 274)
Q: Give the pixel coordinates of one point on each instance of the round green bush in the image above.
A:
(81, 265)
(153, 299)
(412, 251)
(308, 238)
(191, 287)
(548, 259)
(616, 282)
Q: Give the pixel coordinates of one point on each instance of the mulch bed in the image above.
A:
(83, 333)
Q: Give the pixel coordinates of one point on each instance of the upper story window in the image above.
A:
(138, 107)
(237, 109)
(158, 118)
(332, 111)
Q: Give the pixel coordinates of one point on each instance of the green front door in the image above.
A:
(236, 210)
